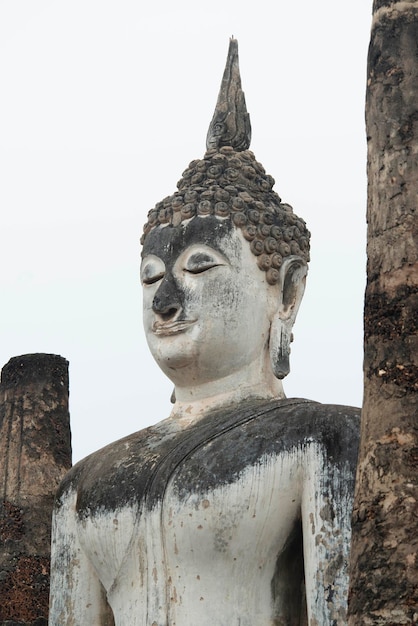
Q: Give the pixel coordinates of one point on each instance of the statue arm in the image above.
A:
(77, 597)
(326, 522)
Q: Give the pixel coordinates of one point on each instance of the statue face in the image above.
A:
(207, 306)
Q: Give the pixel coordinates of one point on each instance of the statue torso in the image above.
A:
(186, 526)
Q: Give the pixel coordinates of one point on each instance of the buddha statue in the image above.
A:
(235, 510)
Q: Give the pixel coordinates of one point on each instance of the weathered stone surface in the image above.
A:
(235, 509)
(35, 453)
(205, 524)
(384, 568)
(230, 125)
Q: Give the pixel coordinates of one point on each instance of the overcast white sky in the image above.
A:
(102, 106)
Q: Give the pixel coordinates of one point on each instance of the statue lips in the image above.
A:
(165, 329)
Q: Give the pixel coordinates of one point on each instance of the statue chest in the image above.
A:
(199, 542)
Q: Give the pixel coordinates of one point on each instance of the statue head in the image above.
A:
(224, 260)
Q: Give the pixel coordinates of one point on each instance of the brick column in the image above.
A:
(35, 453)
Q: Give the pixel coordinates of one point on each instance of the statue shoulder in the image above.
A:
(335, 427)
(336, 421)
(297, 421)
(299, 417)
(96, 467)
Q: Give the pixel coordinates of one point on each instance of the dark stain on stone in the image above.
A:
(11, 521)
(210, 453)
(385, 316)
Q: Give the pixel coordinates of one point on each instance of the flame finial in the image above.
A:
(230, 125)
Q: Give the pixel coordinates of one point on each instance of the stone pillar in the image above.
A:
(35, 453)
(384, 554)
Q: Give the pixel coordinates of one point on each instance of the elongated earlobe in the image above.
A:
(280, 337)
(293, 276)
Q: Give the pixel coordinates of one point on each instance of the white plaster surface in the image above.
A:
(222, 355)
(208, 558)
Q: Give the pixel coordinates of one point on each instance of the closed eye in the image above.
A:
(150, 280)
(199, 269)
(152, 269)
(201, 261)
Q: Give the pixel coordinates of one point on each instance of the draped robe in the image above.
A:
(240, 519)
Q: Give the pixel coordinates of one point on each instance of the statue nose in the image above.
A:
(167, 301)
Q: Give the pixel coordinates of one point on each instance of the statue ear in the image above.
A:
(292, 285)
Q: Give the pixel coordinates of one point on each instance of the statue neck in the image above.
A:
(194, 402)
